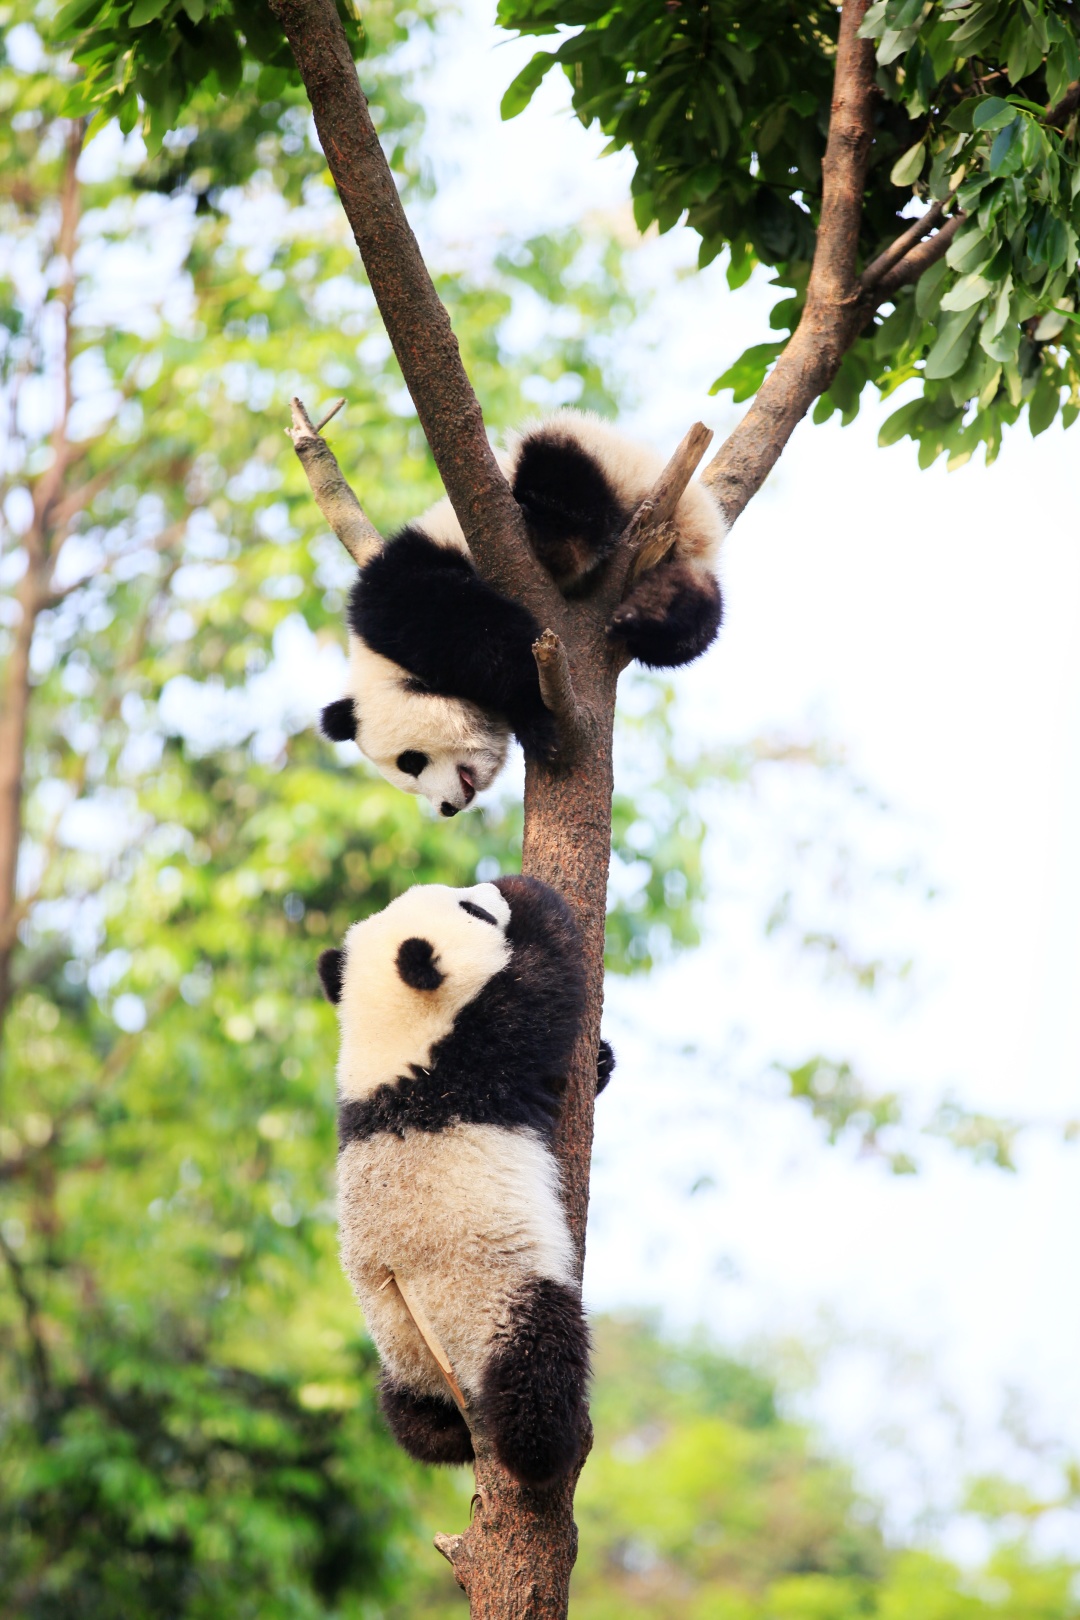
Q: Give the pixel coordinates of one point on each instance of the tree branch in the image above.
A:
(416, 322)
(335, 500)
(1057, 117)
(895, 251)
(557, 688)
(919, 260)
(832, 316)
(649, 535)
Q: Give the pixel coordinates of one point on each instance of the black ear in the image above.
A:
(416, 964)
(332, 972)
(605, 1065)
(338, 720)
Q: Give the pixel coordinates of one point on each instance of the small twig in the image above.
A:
(556, 684)
(650, 534)
(329, 417)
(336, 501)
(407, 1295)
(895, 251)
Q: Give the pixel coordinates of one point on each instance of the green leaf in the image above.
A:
(1044, 403)
(970, 248)
(969, 290)
(900, 423)
(748, 373)
(993, 113)
(907, 169)
(521, 90)
(144, 11)
(928, 290)
(953, 343)
(1005, 154)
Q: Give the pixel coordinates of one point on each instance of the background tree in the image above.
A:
(1009, 232)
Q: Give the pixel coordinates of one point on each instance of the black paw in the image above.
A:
(427, 1428)
(605, 1065)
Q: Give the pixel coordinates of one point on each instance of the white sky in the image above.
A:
(929, 623)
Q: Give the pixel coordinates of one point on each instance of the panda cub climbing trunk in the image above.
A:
(458, 1011)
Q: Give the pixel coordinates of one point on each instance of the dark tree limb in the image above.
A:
(919, 260)
(895, 251)
(333, 495)
(833, 314)
(1057, 117)
(416, 321)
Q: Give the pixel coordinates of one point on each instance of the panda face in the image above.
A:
(403, 976)
(448, 778)
(440, 748)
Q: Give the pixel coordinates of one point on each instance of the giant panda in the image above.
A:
(441, 670)
(458, 1010)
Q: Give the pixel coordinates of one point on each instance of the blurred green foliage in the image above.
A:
(725, 106)
(187, 1424)
(701, 1501)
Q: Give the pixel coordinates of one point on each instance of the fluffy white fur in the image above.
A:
(385, 1023)
(499, 1222)
(452, 733)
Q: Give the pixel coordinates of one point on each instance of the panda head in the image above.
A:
(449, 778)
(402, 977)
(442, 749)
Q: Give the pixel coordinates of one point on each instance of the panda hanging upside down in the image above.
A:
(441, 664)
(458, 1010)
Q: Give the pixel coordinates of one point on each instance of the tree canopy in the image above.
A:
(725, 107)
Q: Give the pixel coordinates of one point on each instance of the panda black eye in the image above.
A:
(412, 762)
(478, 911)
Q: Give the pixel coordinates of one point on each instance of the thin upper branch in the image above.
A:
(895, 251)
(335, 500)
(416, 321)
(919, 260)
(833, 314)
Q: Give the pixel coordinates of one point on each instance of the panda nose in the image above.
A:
(448, 809)
(468, 783)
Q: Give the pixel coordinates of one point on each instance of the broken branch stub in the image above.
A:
(335, 499)
(650, 533)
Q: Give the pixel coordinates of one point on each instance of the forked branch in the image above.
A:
(333, 495)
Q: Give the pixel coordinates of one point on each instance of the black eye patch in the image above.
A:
(412, 762)
(416, 964)
(478, 911)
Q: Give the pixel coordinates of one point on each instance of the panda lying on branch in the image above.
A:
(458, 1010)
(441, 664)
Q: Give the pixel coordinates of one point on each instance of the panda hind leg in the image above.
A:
(533, 1397)
(429, 1429)
(670, 617)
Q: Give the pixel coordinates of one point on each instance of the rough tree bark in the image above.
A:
(515, 1559)
(40, 542)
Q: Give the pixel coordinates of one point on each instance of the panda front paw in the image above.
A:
(605, 1065)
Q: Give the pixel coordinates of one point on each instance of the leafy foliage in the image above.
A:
(188, 1416)
(725, 106)
(701, 1501)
